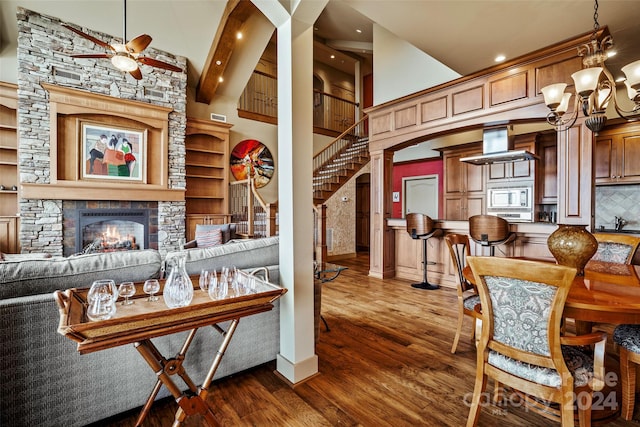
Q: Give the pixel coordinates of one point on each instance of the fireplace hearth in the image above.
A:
(108, 230)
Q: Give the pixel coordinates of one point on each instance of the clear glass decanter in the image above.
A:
(178, 289)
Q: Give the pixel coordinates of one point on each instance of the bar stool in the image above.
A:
(491, 231)
(420, 226)
(627, 337)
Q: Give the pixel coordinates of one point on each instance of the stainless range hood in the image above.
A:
(497, 147)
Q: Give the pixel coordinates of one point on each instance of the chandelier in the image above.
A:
(595, 87)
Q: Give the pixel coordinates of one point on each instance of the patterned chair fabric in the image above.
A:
(628, 336)
(579, 364)
(617, 253)
(521, 312)
(471, 301)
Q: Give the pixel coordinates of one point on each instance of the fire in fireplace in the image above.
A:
(107, 230)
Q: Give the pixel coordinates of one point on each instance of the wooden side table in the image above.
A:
(140, 322)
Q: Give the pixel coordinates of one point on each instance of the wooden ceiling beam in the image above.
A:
(235, 15)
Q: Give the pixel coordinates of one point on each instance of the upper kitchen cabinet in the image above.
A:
(547, 170)
(515, 171)
(464, 185)
(617, 155)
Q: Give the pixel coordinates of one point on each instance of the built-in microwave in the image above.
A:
(514, 203)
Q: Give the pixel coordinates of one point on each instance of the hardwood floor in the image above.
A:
(385, 362)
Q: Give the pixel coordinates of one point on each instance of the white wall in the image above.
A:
(399, 68)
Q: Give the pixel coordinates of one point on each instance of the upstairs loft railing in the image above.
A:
(259, 101)
(253, 217)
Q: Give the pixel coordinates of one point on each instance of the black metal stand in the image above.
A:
(424, 284)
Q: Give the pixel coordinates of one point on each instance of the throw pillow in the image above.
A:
(225, 228)
(208, 238)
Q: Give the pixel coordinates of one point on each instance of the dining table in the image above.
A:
(607, 293)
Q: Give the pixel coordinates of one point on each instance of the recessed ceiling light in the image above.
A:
(220, 79)
(611, 53)
(358, 30)
(500, 58)
(239, 35)
(620, 79)
(218, 62)
(332, 57)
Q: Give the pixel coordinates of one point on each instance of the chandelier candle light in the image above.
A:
(595, 87)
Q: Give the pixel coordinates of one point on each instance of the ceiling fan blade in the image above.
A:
(92, 55)
(87, 36)
(137, 74)
(159, 64)
(139, 43)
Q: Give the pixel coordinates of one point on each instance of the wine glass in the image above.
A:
(205, 277)
(127, 289)
(101, 300)
(151, 287)
(215, 287)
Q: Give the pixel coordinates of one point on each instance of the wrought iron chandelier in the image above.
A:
(594, 86)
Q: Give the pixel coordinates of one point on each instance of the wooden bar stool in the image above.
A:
(491, 231)
(420, 226)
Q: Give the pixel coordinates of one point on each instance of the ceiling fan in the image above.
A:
(125, 57)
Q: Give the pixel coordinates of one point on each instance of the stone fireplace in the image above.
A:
(109, 226)
(56, 95)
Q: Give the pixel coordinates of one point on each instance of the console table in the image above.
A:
(140, 322)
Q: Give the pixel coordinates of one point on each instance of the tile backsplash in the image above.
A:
(617, 200)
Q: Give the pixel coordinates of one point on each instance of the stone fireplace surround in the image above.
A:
(46, 189)
(75, 218)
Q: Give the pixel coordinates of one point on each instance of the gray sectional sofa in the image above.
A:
(43, 379)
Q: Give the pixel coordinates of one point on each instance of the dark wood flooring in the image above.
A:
(385, 362)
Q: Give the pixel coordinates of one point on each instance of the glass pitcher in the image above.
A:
(178, 289)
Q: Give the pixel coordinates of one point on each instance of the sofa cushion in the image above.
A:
(208, 238)
(225, 228)
(245, 254)
(38, 276)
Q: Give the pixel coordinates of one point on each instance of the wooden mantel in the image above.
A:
(503, 94)
(69, 108)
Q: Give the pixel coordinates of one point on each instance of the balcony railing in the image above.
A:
(259, 101)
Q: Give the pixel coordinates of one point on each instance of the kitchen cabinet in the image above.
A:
(464, 185)
(617, 155)
(515, 171)
(547, 171)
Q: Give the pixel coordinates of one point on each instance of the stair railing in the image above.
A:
(356, 132)
(251, 214)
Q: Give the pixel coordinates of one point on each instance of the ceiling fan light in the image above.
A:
(553, 95)
(123, 62)
(586, 80)
(632, 73)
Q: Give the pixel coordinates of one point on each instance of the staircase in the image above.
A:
(339, 161)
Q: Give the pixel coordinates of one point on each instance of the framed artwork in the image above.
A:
(113, 153)
(252, 158)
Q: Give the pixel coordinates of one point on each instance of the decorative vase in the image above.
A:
(178, 289)
(573, 246)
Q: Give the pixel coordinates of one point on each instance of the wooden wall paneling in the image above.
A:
(575, 174)
(558, 71)
(380, 124)
(406, 117)
(468, 100)
(509, 88)
(434, 109)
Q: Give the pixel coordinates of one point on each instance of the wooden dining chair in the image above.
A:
(627, 338)
(520, 345)
(615, 248)
(468, 297)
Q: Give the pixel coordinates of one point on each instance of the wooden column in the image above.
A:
(382, 245)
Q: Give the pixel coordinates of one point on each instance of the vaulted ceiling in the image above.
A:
(465, 35)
